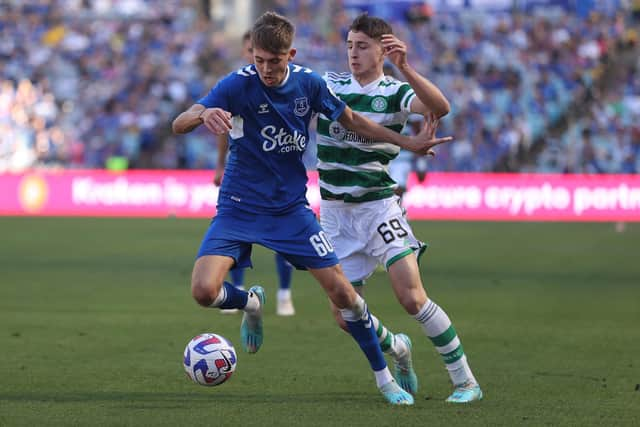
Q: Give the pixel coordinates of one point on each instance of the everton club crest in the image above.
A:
(301, 106)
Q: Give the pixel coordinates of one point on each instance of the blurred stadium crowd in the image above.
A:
(96, 83)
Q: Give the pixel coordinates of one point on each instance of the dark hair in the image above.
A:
(371, 26)
(246, 36)
(273, 33)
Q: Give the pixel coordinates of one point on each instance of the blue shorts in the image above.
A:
(296, 235)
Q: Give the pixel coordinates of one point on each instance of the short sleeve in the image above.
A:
(221, 95)
(406, 96)
(326, 102)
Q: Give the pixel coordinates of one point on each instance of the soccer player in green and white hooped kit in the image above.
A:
(359, 210)
(266, 108)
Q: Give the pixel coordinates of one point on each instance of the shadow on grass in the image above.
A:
(134, 398)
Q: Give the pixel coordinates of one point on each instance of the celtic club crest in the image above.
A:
(379, 104)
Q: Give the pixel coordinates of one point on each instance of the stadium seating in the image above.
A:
(82, 84)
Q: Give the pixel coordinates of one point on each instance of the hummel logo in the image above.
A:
(264, 108)
(366, 319)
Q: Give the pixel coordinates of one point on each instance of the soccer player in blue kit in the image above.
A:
(284, 306)
(266, 108)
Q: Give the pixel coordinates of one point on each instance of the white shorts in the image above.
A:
(368, 234)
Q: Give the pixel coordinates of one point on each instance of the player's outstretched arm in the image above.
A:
(428, 97)
(188, 120)
(216, 120)
(421, 143)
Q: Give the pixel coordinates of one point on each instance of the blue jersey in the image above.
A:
(265, 172)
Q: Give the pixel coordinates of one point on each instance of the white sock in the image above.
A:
(253, 303)
(437, 326)
(220, 298)
(388, 342)
(284, 294)
(356, 312)
(383, 376)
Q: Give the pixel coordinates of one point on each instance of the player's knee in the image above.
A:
(203, 291)
(411, 303)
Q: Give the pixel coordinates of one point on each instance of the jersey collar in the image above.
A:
(286, 77)
(369, 86)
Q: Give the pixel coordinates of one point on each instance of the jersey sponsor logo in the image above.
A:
(301, 106)
(338, 132)
(263, 109)
(379, 104)
(282, 140)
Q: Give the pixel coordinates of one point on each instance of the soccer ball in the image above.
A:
(209, 359)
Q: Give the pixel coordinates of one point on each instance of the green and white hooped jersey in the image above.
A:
(353, 168)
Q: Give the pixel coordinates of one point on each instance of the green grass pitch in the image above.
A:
(95, 314)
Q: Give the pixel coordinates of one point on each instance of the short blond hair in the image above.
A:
(273, 33)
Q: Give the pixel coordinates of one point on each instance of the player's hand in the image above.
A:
(217, 178)
(394, 49)
(431, 123)
(216, 120)
(424, 141)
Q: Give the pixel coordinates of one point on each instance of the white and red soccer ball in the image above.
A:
(209, 359)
